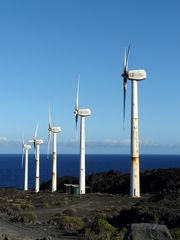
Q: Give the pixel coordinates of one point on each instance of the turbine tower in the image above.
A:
(53, 130)
(25, 149)
(134, 76)
(82, 113)
(37, 142)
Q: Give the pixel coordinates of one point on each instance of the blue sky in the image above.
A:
(44, 45)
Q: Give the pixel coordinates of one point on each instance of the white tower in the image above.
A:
(53, 130)
(37, 142)
(82, 113)
(25, 148)
(134, 76)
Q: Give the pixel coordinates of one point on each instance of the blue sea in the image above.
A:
(12, 175)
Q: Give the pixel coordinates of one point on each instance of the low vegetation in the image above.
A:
(103, 215)
(101, 229)
(70, 212)
(69, 222)
(175, 233)
(30, 217)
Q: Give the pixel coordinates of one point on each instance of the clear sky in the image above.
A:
(45, 44)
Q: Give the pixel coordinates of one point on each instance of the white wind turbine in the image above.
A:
(82, 113)
(25, 149)
(37, 142)
(134, 76)
(54, 131)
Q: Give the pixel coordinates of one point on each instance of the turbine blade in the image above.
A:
(125, 77)
(22, 151)
(76, 118)
(23, 139)
(36, 131)
(127, 58)
(34, 145)
(35, 152)
(49, 140)
(124, 104)
(22, 161)
(77, 103)
(49, 117)
(77, 96)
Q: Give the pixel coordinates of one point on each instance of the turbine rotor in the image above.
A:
(49, 132)
(125, 78)
(76, 111)
(23, 147)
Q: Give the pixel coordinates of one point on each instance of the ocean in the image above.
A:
(12, 175)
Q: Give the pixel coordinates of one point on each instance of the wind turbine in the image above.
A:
(134, 76)
(36, 142)
(25, 149)
(82, 113)
(53, 130)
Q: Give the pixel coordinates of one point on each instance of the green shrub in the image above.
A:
(42, 205)
(30, 216)
(102, 225)
(3, 200)
(100, 229)
(65, 199)
(61, 203)
(20, 201)
(176, 233)
(70, 223)
(119, 234)
(45, 205)
(70, 212)
(56, 217)
(100, 215)
(16, 207)
(26, 206)
(59, 214)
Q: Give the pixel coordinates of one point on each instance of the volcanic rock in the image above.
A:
(139, 231)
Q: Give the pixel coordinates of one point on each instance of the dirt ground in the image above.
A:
(28, 215)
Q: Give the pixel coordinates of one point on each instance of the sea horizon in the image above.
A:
(169, 154)
(12, 175)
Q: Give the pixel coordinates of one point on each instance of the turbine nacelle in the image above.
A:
(137, 75)
(38, 141)
(84, 112)
(54, 129)
(27, 146)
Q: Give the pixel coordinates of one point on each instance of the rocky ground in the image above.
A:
(105, 215)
